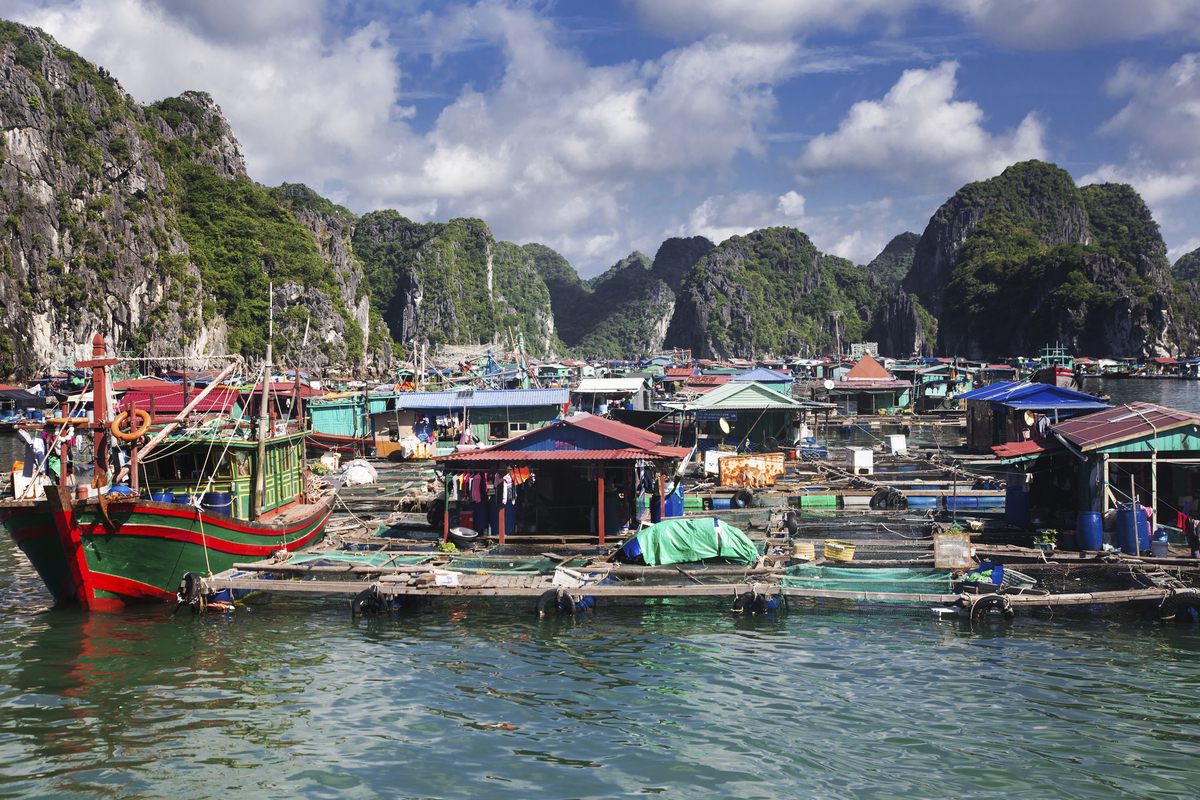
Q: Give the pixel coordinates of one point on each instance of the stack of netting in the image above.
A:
(863, 585)
(1060, 578)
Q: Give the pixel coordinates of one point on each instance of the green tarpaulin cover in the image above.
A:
(680, 541)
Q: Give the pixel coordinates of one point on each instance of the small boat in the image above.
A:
(206, 498)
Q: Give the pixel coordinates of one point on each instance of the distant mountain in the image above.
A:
(1028, 258)
(771, 292)
(624, 311)
(453, 282)
(893, 263)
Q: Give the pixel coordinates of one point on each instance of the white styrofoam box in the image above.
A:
(896, 444)
(860, 460)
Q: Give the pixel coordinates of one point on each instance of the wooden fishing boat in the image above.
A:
(207, 498)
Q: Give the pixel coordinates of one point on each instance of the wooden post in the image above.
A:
(600, 506)
(500, 520)
(133, 469)
(446, 516)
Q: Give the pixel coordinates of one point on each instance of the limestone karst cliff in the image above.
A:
(114, 218)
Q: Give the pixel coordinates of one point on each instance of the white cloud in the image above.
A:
(1161, 122)
(1026, 24)
(553, 150)
(1062, 24)
(1175, 253)
(857, 232)
(919, 133)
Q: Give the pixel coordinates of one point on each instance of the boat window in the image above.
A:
(225, 470)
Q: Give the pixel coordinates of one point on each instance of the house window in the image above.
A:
(498, 430)
(517, 427)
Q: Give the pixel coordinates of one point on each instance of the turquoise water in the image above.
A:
(478, 699)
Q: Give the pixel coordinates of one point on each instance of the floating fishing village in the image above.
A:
(567, 484)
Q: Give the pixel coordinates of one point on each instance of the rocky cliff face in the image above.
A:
(1038, 196)
(1045, 262)
(898, 329)
(453, 283)
(93, 189)
(771, 293)
(1090, 302)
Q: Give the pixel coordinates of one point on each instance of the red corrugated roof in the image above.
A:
(1025, 448)
(218, 400)
(678, 372)
(1115, 425)
(491, 455)
(869, 369)
(707, 380)
(626, 434)
(148, 385)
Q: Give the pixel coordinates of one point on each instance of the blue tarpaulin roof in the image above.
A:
(1035, 397)
(764, 375)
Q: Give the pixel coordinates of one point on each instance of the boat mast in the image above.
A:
(260, 480)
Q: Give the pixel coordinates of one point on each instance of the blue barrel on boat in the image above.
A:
(1089, 529)
(675, 502)
(1133, 529)
(183, 499)
(218, 502)
(1016, 504)
(162, 497)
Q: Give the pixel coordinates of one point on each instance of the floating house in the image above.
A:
(938, 388)
(746, 414)
(779, 381)
(596, 395)
(492, 415)
(868, 388)
(341, 422)
(1012, 411)
(579, 477)
(1138, 453)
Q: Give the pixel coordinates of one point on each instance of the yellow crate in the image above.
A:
(839, 551)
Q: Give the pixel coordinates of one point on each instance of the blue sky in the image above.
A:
(599, 128)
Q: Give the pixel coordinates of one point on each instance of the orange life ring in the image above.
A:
(141, 414)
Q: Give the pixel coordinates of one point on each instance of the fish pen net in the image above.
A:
(1063, 578)
(868, 581)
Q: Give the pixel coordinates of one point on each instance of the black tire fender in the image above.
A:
(1185, 600)
(189, 590)
(992, 602)
(742, 498)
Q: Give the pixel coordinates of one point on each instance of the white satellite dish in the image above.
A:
(828, 385)
(724, 423)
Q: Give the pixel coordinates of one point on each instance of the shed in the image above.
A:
(595, 395)
(868, 388)
(582, 475)
(493, 415)
(1009, 411)
(756, 415)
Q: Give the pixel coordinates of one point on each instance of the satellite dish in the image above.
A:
(828, 385)
(1030, 418)
(724, 423)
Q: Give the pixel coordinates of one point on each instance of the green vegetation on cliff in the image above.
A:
(773, 292)
(892, 264)
(1118, 218)
(451, 282)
